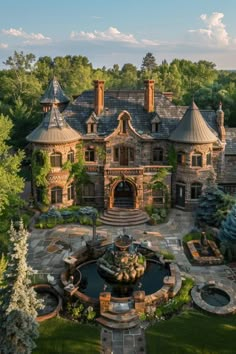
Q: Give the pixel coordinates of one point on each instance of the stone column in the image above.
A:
(104, 299)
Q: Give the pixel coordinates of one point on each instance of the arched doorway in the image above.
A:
(124, 195)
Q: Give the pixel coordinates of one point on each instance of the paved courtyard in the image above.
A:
(47, 248)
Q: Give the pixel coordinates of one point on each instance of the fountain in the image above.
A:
(122, 262)
(122, 271)
(204, 251)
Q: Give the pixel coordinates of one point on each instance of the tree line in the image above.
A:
(24, 79)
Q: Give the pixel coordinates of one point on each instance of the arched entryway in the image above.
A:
(124, 195)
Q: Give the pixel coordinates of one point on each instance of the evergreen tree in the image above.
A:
(228, 228)
(18, 299)
(213, 207)
(149, 62)
(18, 333)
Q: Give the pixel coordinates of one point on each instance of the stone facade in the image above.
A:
(126, 141)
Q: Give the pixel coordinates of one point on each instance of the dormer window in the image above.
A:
(155, 124)
(92, 124)
(155, 127)
(123, 125)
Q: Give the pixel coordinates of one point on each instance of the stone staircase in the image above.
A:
(124, 217)
(119, 319)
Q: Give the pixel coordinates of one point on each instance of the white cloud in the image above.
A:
(149, 42)
(3, 45)
(14, 32)
(215, 32)
(111, 34)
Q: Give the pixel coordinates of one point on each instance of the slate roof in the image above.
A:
(230, 148)
(53, 130)
(193, 128)
(116, 101)
(54, 93)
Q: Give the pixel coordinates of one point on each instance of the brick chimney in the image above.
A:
(168, 95)
(99, 96)
(149, 95)
(220, 122)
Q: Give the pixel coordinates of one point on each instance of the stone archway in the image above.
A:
(123, 194)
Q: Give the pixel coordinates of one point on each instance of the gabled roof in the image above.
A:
(54, 93)
(117, 101)
(53, 130)
(193, 128)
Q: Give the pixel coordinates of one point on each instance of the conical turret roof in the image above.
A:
(193, 128)
(53, 130)
(54, 93)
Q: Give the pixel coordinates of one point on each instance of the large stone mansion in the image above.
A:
(126, 137)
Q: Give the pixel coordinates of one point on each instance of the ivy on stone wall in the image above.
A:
(77, 170)
(40, 169)
(172, 158)
(101, 153)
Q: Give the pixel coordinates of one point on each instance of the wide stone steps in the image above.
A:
(120, 317)
(124, 217)
(117, 324)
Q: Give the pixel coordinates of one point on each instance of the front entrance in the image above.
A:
(124, 195)
(180, 195)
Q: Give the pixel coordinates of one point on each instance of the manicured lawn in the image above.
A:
(65, 337)
(193, 332)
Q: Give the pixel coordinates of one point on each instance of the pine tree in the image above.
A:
(149, 62)
(18, 299)
(228, 228)
(18, 333)
(213, 207)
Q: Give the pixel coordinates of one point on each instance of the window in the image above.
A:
(116, 154)
(196, 190)
(123, 125)
(158, 154)
(181, 158)
(71, 156)
(197, 160)
(158, 196)
(56, 195)
(131, 154)
(155, 127)
(90, 154)
(39, 194)
(39, 158)
(70, 192)
(55, 159)
(208, 158)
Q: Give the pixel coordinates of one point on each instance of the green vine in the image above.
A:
(101, 153)
(40, 169)
(157, 183)
(172, 158)
(77, 169)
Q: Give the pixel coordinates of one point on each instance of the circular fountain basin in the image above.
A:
(215, 298)
(92, 284)
(51, 300)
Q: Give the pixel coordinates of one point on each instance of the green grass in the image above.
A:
(193, 332)
(66, 337)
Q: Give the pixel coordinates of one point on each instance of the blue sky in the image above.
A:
(117, 32)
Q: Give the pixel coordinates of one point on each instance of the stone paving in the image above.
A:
(47, 248)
